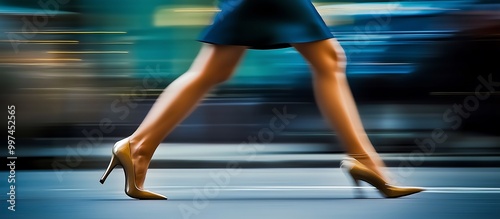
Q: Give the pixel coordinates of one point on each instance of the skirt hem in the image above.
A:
(274, 45)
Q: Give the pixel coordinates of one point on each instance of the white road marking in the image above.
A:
(310, 188)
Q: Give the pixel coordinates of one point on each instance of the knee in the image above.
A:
(332, 63)
(223, 77)
(220, 77)
(212, 78)
(338, 55)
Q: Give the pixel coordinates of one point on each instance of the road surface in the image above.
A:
(253, 193)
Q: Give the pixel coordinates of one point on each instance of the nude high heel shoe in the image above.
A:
(121, 155)
(360, 172)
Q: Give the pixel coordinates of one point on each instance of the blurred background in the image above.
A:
(71, 66)
(82, 74)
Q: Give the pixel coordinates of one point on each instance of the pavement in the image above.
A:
(253, 193)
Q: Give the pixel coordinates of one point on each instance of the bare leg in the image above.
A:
(213, 65)
(335, 99)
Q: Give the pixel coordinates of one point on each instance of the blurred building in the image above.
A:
(69, 64)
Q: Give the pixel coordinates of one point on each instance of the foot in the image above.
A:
(372, 162)
(141, 160)
(359, 172)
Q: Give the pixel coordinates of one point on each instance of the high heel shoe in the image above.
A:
(121, 155)
(360, 172)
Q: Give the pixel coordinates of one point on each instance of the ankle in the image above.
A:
(372, 162)
(137, 147)
(361, 155)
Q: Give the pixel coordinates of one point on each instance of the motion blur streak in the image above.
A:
(414, 67)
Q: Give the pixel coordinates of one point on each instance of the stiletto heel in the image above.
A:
(360, 172)
(122, 155)
(345, 166)
(112, 164)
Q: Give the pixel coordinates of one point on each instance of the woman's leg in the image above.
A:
(335, 99)
(213, 65)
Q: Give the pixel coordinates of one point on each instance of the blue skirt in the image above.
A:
(265, 24)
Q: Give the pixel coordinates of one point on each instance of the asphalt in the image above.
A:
(253, 193)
